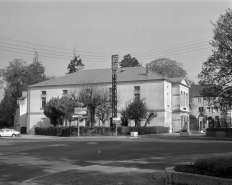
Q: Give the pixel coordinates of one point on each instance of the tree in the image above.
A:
(167, 68)
(93, 96)
(137, 111)
(103, 112)
(60, 109)
(17, 77)
(216, 73)
(128, 61)
(75, 65)
(149, 116)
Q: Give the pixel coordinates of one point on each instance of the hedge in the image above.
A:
(213, 166)
(96, 131)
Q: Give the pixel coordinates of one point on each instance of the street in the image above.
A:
(26, 159)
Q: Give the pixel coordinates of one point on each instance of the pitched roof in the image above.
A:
(101, 76)
(196, 90)
(179, 80)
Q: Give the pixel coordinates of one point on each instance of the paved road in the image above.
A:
(21, 160)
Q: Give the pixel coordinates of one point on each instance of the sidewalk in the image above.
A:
(44, 137)
(176, 136)
(195, 136)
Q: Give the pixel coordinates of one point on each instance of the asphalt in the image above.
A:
(200, 136)
(120, 177)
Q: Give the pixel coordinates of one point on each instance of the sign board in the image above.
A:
(116, 120)
(80, 110)
(77, 116)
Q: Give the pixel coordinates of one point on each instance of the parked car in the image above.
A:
(9, 132)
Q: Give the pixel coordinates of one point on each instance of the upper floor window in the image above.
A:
(181, 98)
(65, 92)
(199, 100)
(137, 88)
(43, 92)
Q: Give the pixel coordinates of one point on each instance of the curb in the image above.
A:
(56, 137)
(173, 177)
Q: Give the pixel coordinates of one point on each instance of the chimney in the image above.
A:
(147, 70)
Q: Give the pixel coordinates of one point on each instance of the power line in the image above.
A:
(90, 57)
(51, 46)
(46, 49)
(160, 56)
(172, 45)
(176, 49)
(51, 55)
(42, 56)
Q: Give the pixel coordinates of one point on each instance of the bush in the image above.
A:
(213, 166)
(95, 131)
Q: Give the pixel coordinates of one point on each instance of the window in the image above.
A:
(184, 99)
(208, 108)
(43, 102)
(43, 92)
(65, 92)
(200, 109)
(199, 100)
(137, 88)
(137, 97)
(181, 99)
(216, 109)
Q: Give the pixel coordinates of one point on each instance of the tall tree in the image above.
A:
(17, 76)
(75, 65)
(167, 68)
(216, 73)
(128, 61)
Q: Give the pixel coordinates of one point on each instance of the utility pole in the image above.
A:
(114, 59)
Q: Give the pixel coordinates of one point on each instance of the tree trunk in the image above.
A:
(103, 123)
(92, 116)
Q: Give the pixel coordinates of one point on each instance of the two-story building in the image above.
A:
(207, 113)
(168, 97)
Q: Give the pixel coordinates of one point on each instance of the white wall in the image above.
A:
(154, 94)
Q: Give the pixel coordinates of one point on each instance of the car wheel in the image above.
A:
(13, 135)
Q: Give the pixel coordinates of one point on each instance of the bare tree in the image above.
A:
(91, 96)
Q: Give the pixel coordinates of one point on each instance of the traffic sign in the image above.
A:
(80, 110)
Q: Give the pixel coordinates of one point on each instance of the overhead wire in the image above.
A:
(100, 59)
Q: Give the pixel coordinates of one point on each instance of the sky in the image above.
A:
(147, 30)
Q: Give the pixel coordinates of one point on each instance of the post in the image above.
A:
(116, 130)
(78, 127)
(114, 59)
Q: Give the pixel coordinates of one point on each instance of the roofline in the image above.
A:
(96, 83)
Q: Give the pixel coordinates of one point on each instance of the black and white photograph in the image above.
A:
(115, 92)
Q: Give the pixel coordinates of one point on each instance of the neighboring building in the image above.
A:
(168, 97)
(207, 114)
(180, 103)
(20, 118)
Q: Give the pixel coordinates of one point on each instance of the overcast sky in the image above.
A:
(148, 30)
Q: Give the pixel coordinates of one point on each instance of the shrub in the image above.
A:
(94, 131)
(213, 166)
